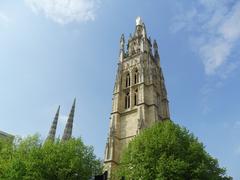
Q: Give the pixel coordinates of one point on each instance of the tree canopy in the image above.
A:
(167, 151)
(30, 159)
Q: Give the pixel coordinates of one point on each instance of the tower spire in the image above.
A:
(140, 28)
(68, 128)
(52, 131)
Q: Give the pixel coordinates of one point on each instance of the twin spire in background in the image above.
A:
(68, 128)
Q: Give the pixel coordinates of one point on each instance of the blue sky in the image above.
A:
(54, 51)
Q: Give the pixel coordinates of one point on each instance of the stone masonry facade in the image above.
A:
(139, 95)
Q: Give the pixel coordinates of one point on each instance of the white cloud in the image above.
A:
(65, 11)
(215, 29)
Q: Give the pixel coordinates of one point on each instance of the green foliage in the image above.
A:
(30, 159)
(167, 151)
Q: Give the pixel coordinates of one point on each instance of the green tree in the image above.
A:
(30, 159)
(167, 151)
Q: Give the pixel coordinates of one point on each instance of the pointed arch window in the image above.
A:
(136, 77)
(136, 97)
(128, 80)
(127, 101)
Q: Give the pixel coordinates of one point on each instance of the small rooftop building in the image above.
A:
(4, 135)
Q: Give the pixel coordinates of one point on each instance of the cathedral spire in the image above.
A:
(52, 132)
(68, 128)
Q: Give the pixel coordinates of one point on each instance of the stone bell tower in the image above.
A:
(139, 95)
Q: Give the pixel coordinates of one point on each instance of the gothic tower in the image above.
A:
(139, 95)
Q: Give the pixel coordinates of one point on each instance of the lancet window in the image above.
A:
(128, 80)
(127, 100)
(136, 77)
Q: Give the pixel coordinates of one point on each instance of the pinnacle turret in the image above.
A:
(138, 42)
(155, 46)
(122, 48)
(68, 128)
(156, 54)
(52, 131)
